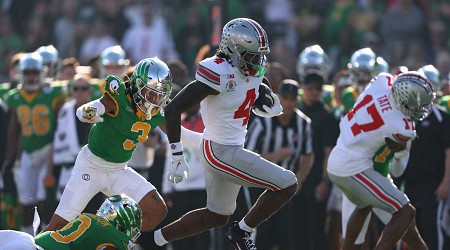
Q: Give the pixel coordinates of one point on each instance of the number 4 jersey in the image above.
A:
(364, 129)
(226, 115)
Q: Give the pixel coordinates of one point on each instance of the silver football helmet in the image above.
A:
(31, 72)
(151, 85)
(246, 43)
(362, 66)
(113, 61)
(50, 58)
(381, 66)
(433, 75)
(312, 60)
(413, 95)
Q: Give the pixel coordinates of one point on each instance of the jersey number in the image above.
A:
(83, 222)
(376, 122)
(35, 120)
(244, 110)
(138, 127)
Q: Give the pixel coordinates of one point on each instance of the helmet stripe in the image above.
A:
(261, 33)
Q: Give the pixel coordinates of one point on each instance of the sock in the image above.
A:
(245, 227)
(27, 229)
(159, 238)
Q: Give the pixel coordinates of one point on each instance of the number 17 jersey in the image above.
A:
(374, 117)
(226, 115)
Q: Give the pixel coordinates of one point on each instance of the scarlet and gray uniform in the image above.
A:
(225, 116)
(363, 132)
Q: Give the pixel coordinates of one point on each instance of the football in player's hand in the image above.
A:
(264, 97)
(395, 146)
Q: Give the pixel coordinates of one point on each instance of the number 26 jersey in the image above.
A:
(226, 115)
(374, 117)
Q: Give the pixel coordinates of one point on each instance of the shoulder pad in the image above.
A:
(114, 85)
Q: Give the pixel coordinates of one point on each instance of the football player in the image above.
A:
(226, 86)
(123, 117)
(383, 114)
(33, 110)
(116, 225)
(362, 68)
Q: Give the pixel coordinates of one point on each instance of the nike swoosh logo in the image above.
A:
(179, 163)
(247, 41)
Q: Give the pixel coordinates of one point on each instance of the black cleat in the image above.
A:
(240, 239)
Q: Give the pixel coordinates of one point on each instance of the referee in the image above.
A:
(427, 176)
(287, 141)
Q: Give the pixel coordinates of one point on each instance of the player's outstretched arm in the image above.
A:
(188, 97)
(91, 112)
(191, 95)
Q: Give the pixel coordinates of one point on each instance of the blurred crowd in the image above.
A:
(323, 54)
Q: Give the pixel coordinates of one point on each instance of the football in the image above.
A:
(394, 146)
(264, 97)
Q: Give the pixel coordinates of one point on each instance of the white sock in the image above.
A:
(159, 238)
(245, 227)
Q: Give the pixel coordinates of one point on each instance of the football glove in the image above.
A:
(400, 154)
(89, 115)
(178, 169)
(275, 110)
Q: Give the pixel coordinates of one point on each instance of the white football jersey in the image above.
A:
(373, 118)
(226, 115)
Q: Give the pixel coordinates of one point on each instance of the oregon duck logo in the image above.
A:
(114, 87)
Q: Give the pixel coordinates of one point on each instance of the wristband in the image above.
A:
(176, 148)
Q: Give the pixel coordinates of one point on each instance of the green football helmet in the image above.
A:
(151, 85)
(124, 214)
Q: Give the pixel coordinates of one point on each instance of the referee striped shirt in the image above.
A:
(266, 135)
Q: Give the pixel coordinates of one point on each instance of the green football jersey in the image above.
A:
(87, 232)
(115, 138)
(349, 96)
(382, 160)
(445, 103)
(36, 115)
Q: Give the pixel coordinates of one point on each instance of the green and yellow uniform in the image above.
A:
(445, 103)
(382, 160)
(87, 232)
(349, 96)
(115, 138)
(36, 115)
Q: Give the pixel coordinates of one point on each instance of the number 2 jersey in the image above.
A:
(87, 231)
(226, 115)
(115, 139)
(364, 129)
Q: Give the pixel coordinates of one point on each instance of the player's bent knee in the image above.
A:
(215, 220)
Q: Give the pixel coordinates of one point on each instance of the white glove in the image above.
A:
(178, 169)
(400, 154)
(275, 110)
(89, 115)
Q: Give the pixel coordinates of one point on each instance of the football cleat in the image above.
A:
(240, 239)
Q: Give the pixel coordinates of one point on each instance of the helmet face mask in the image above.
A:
(124, 214)
(151, 85)
(312, 60)
(31, 72)
(413, 95)
(246, 43)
